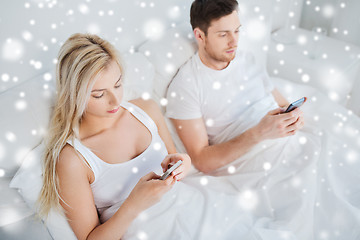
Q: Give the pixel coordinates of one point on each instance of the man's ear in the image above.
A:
(199, 35)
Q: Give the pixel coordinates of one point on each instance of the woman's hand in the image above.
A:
(148, 191)
(180, 172)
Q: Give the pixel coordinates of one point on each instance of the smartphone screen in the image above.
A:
(295, 104)
(170, 170)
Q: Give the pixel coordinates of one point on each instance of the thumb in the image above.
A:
(275, 111)
(150, 176)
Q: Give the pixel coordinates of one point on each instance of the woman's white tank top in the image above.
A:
(114, 182)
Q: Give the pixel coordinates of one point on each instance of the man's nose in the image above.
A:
(232, 40)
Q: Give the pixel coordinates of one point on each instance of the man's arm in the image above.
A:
(279, 98)
(207, 158)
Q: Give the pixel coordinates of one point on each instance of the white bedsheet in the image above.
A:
(303, 187)
(307, 183)
(192, 211)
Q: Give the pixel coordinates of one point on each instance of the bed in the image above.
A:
(149, 69)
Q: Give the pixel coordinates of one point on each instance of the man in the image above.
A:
(226, 112)
(224, 108)
(217, 86)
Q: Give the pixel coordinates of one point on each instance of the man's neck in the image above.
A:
(211, 62)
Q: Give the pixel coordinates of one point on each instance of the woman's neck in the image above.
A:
(93, 125)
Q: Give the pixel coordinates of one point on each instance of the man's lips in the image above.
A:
(114, 110)
(230, 51)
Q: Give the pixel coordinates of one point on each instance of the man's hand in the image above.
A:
(276, 124)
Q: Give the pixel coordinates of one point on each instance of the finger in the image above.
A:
(174, 158)
(290, 121)
(295, 126)
(180, 176)
(169, 181)
(291, 133)
(150, 176)
(290, 128)
(290, 115)
(275, 111)
(180, 169)
(301, 118)
(165, 162)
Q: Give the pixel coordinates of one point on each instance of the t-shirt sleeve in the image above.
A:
(183, 98)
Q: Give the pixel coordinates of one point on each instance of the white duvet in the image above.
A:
(191, 210)
(307, 184)
(303, 187)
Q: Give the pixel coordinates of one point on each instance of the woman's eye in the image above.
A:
(98, 96)
(117, 86)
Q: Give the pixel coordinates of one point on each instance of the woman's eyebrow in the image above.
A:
(118, 79)
(103, 89)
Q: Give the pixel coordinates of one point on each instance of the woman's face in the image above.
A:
(106, 94)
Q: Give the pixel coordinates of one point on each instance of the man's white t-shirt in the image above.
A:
(220, 97)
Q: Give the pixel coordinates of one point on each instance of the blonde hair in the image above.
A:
(81, 58)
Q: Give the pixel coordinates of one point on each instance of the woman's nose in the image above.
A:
(114, 99)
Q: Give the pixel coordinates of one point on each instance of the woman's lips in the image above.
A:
(114, 110)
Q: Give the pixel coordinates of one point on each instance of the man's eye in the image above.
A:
(118, 85)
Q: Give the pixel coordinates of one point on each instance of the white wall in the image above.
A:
(33, 30)
(341, 18)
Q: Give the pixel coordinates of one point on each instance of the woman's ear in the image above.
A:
(199, 35)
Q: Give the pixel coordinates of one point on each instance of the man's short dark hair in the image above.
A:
(202, 12)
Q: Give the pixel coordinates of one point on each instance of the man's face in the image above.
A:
(221, 41)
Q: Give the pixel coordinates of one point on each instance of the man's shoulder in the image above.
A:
(189, 67)
(186, 71)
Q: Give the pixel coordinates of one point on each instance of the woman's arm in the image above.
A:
(153, 110)
(78, 202)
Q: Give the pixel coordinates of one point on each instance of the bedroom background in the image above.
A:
(313, 43)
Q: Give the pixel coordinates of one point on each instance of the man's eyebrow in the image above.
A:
(228, 30)
(103, 89)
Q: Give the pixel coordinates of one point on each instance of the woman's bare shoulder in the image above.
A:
(69, 160)
(148, 106)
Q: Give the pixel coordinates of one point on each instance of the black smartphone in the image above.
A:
(295, 104)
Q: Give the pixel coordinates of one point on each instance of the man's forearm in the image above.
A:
(213, 157)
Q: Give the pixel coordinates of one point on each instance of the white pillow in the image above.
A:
(28, 181)
(26, 110)
(138, 77)
(256, 19)
(281, 10)
(168, 54)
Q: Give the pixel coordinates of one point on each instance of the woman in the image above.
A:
(89, 114)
